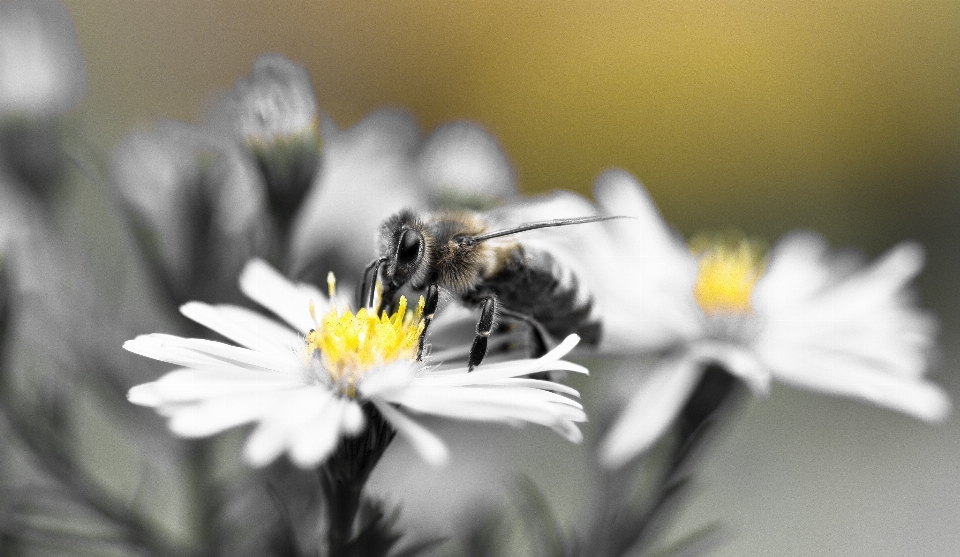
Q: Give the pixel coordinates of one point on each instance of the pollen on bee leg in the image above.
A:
(422, 303)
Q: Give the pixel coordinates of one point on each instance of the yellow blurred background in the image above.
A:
(765, 115)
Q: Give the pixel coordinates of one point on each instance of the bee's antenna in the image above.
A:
(534, 225)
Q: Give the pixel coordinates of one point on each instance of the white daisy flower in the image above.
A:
(303, 386)
(802, 316)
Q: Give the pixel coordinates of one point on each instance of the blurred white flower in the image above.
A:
(804, 317)
(366, 175)
(41, 67)
(463, 166)
(273, 114)
(380, 166)
(197, 202)
(275, 102)
(304, 387)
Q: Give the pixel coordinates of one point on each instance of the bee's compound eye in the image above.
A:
(410, 247)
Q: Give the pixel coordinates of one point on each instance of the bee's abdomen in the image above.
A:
(538, 285)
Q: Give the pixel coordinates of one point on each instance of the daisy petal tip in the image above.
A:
(193, 308)
(910, 254)
(759, 382)
(761, 387)
(435, 454)
(144, 395)
(261, 450)
(254, 266)
(612, 457)
(189, 429)
(571, 341)
(303, 463)
(137, 344)
(938, 408)
(307, 458)
(256, 459)
(577, 368)
(353, 419)
(256, 272)
(573, 434)
(439, 457)
(192, 305)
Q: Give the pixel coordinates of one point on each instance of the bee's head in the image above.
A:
(405, 250)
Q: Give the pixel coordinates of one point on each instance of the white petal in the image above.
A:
(499, 404)
(145, 395)
(536, 384)
(866, 381)
(857, 334)
(645, 280)
(650, 412)
(505, 370)
(189, 384)
(430, 447)
(215, 415)
(796, 272)
(379, 381)
(353, 419)
(245, 327)
(316, 439)
(879, 284)
(275, 432)
(737, 361)
(165, 348)
(195, 352)
(569, 431)
(288, 301)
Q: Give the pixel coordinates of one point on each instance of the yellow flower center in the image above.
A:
(348, 345)
(729, 269)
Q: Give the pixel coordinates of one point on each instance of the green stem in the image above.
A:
(204, 494)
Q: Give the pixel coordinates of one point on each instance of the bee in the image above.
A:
(459, 253)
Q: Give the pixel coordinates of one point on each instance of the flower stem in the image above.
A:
(344, 475)
(623, 527)
(716, 391)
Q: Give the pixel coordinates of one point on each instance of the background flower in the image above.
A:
(41, 69)
(382, 165)
(812, 319)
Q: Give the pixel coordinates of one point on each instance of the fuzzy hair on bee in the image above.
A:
(444, 251)
(456, 251)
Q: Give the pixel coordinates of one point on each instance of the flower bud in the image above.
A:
(274, 114)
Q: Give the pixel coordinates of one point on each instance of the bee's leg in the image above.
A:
(429, 309)
(368, 288)
(541, 344)
(488, 314)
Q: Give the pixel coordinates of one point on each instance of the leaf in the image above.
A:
(535, 512)
(688, 541)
